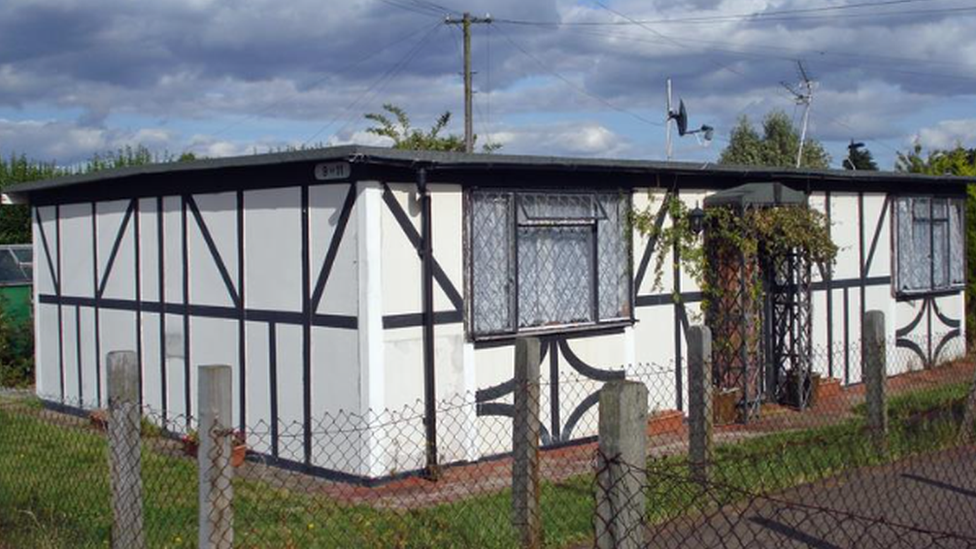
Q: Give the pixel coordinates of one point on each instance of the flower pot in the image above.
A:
(98, 419)
(190, 447)
(829, 388)
(799, 387)
(725, 405)
(665, 422)
(815, 380)
(238, 454)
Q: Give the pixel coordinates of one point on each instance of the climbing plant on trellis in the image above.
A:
(754, 267)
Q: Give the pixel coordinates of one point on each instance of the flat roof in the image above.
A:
(358, 154)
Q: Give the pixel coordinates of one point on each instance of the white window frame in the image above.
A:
(901, 249)
(597, 321)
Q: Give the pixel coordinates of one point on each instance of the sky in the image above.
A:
(553, 77)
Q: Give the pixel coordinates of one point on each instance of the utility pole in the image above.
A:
(803, 95)
(466, 21)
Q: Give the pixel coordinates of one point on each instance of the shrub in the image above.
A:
(16, 351)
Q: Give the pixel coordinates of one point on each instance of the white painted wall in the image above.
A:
(273, 283)
(47, 339)
(375, 371)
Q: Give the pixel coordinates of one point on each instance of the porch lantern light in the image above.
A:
(696, 220)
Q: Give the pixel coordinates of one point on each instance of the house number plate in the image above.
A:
(332, 170)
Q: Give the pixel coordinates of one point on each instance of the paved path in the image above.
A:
(920, 500)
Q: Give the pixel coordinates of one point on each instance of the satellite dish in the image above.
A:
(682, 118)
(704, 135)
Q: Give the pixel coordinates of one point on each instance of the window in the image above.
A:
(548, 259)
(929, 244)
(16, 265)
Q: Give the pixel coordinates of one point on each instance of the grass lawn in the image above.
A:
(54, 488)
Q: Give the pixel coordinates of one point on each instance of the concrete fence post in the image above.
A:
(968, 428)
(124, 452)
(213, 458)
(875, 377)
(700, 416)
(621, 466)
(526, 425)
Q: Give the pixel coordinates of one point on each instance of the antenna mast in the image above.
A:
(669, 115)
(803, 95)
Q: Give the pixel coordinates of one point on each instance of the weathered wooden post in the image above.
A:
(124, 452)
(213, 458)
(526, 511)
(700, 416)
(875, 378)
(621, 466)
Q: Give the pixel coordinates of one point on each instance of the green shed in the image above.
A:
(16, 276)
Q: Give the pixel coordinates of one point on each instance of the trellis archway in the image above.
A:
(759, 308)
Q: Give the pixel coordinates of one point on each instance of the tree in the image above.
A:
(407, 137)
(15, 219)
(859, 158)
(15, 225)
(776, 146)
(958, 161)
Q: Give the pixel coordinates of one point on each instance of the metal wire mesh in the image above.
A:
(544, 258)
(789, 477)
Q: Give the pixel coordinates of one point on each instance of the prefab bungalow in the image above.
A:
(361, 279)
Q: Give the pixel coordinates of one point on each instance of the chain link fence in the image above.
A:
(782, 476)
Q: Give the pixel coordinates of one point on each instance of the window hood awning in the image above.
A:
(757, 194)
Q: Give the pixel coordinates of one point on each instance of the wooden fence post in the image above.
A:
(213, 457)
(621, 466)
(124, 452)
(700, 416)
(526, 511)
(875, 378)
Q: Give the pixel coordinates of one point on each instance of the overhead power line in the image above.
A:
(419, 6)
(576, 87)
(289, 96)
(790, 55)
(855, 131)
(665, 37)
(377, 86)
(839, 17)
(763, 14)
(839, 122)
(752, 16)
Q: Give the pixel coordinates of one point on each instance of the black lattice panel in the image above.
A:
(733, 315)
(789, 328)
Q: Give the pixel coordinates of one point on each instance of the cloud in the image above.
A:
(360, 138)
(69, 143)
(948, 134)
(189, 63)
(563, 139)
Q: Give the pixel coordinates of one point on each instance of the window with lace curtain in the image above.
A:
(929, 253)
(548, 260)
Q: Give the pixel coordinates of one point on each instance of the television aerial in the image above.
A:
(704, 134)
(852, 150)
(803, 96)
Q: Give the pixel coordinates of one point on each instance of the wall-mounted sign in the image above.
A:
(329, 171)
